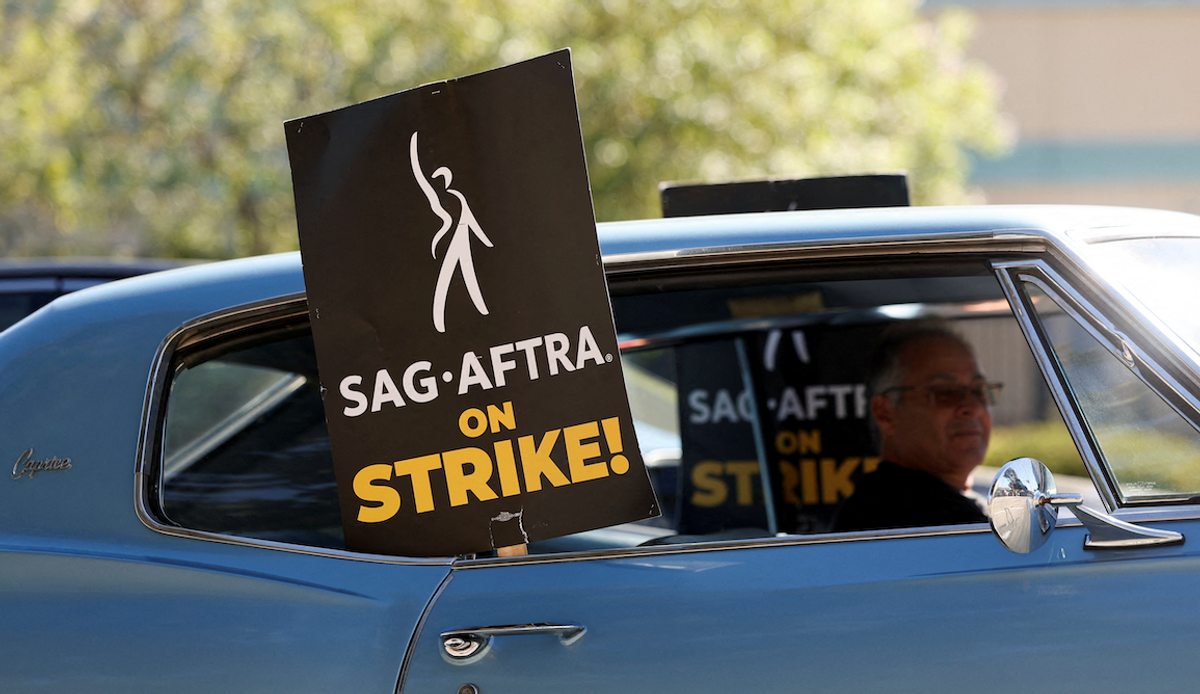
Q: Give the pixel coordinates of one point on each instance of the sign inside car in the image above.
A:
(473, 385)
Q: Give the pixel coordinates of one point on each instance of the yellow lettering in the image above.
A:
(808, 482)
(835, 479)
(809, 442)
(711, 490)
(418, 469)
(789, 477)
(459, 482)
(537, 463)
(506, 464)
(498, 418)
(798, 442)
(869, 464)
(472, 422)
(743, 471)
(387, 497)
(578, 452)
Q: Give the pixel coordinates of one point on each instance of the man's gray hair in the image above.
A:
(885, 370)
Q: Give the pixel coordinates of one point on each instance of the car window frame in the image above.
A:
(1108, 323)
(188, 344)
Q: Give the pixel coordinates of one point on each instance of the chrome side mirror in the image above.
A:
(1023, 506)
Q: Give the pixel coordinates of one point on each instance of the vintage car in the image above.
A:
(171, 521)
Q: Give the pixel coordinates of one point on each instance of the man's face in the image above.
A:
(934, 424)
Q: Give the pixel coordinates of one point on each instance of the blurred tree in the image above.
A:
(154, 127)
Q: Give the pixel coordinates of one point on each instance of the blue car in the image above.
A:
(171, 521)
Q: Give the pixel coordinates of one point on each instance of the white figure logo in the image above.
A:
(458, 252)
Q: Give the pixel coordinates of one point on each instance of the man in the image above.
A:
(932, 408)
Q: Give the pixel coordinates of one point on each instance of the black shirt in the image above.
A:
(897, 497)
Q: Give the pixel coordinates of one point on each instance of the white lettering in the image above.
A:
(789, 405)
(845, 399)
(428, 390)
(839, 393)
(527, 346)
(472, 374)
(385, 391)
(724, 407)
(588, 349)
(698, 402)
(348, 392)
(499, 365)
(557, 345)
(814, 397)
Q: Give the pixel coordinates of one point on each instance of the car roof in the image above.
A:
(231, 283)
(814, 227)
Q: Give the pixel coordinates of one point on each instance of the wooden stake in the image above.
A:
(512, 551)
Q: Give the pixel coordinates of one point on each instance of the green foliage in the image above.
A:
(1144, 463)
(154, 127)
(1047, 441)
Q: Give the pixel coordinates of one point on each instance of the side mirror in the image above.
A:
(1023, 506)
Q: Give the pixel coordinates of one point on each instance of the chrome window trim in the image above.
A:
(1124, 303)
(1092, 318)
(1062, 399)
(729, 545)
(1157, 515)
(147, 476)
(983, 242)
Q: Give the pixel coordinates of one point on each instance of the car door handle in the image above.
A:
(461, 644)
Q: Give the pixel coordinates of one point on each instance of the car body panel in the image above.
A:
(929, 614)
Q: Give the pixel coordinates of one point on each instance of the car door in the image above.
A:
(922, 609)
(925, 611)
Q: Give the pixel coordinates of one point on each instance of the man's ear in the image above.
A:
(884, 412)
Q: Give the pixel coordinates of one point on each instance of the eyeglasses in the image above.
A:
(949, 396)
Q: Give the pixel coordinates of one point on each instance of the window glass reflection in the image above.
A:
(1148, 448)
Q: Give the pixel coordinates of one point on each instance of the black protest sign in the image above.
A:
(816, 417)
(473, 386)
(721, 479)
(811, 415)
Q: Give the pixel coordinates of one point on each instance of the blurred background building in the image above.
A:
(1104, 97)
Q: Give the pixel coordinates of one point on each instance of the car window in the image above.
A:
(748, 398)
(245, 448)
(1147, 447)
(795, 356)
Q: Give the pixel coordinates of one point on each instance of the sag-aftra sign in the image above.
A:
(473, 386)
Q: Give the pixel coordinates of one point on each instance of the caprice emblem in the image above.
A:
(26, 465)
